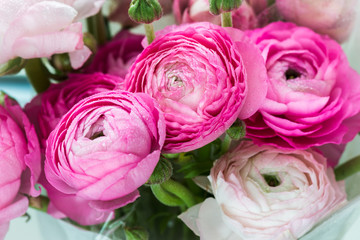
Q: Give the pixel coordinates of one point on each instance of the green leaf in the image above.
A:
(136, 233)
(237, 130)
(162, 172)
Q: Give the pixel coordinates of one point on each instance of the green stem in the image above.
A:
(172, 193)
(347, 169)
(149, 31)
(226, 19)
(225, 145)
(37, 74)
(97, 27)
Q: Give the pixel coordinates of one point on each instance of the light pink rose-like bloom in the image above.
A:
(203, 77)
(102, 150)
(40, 28)
(332, 17)
(117, 55)
(189, 11)
(47, 108)
(266, 193)
(313, 97)
(19, 162)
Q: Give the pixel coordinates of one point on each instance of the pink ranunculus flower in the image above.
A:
(40, 28)
(46, 109)
(189, 11)
(332, 17)
(313, 97)
(117, 56)
(103, 149)
(19, 162)
(203, 77)
(266, 193)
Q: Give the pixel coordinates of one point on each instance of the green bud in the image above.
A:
(237, 130)
(13, 66)
(61, 62)
(219, 6)
(162, 172)
(145, 11)
(136, 234)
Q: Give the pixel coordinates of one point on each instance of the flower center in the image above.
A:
(291, 74)
(175, 82)
(272, 180)
(96, 135)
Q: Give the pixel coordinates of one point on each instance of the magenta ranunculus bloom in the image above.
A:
(102, 150)
(263, 192)
(40, 28)
(189, 11)
(117, 56)
(313, 95)
(203, 77)
(20, 165)
(46, 109)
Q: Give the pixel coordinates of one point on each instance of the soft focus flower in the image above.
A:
(202, 78)
(46, 109)
(313, 95)
(104, 148)
(258, 5)
(117, 56)
(332, 17)
(39, 28)
(189, 11)
(19, 162)
(266, 193)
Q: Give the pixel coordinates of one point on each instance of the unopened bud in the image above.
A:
(219, 6)
(13, 66)
(145, 11)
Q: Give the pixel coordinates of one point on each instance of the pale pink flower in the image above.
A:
(40, 28)
(332, 17)
(102, 150)
(266, 193)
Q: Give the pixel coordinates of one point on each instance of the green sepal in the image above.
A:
(13, 66)
(237, 130)
(162, 172)
(145, 11)
(219, 6)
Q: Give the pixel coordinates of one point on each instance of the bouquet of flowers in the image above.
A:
(229, 124)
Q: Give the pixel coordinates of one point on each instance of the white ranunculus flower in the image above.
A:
(266, 193)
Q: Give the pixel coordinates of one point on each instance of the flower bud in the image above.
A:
(145, 11)
(219, 6)
(12, 66)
